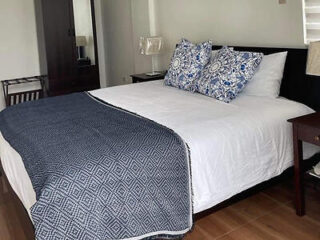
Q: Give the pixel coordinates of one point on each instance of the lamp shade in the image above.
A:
(81, 41)
(313, 63)
(151, 45)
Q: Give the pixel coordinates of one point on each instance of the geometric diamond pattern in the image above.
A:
(100, 172)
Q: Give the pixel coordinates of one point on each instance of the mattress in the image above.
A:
(233, 146)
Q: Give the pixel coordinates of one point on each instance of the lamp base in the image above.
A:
(153, 74)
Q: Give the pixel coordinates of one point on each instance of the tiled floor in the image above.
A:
(268, 215)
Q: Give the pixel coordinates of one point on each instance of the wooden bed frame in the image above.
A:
(297, 86)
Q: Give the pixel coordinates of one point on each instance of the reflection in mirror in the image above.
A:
(84, 32)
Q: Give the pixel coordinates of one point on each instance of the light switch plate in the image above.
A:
(282, 1)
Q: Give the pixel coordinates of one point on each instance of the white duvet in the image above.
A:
(233, 146)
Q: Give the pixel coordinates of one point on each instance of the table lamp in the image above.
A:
(81, 42)
(151, 46)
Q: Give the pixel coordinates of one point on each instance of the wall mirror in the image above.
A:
(84, 33)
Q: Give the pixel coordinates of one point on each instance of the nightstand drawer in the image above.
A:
(309, 134)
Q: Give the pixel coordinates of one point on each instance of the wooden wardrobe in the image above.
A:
(67, 71)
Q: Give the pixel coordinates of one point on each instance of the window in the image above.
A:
(311, 20)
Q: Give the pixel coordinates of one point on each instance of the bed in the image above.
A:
(213, 132)
(233, 147)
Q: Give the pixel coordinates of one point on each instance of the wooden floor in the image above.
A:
(268, 215)
(14, 221)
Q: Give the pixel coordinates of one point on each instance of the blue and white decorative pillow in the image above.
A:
(228, 73)
(186, 64)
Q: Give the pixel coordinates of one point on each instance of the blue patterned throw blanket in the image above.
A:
(100, 172)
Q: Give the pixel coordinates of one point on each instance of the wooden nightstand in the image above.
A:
(307, 129)
(136, 78)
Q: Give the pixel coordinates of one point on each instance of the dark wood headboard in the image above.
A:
(296, 85)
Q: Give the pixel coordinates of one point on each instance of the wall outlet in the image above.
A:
(282, 1)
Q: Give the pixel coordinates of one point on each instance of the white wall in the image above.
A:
(120, 23)
(124, 22)
(140, 28)
(118, 37)
(100, 31)
(233, 22)
(19, 56)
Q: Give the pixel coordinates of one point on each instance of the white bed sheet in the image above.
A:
(233, 146)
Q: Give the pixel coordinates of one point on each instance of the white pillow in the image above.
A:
(267, 80)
